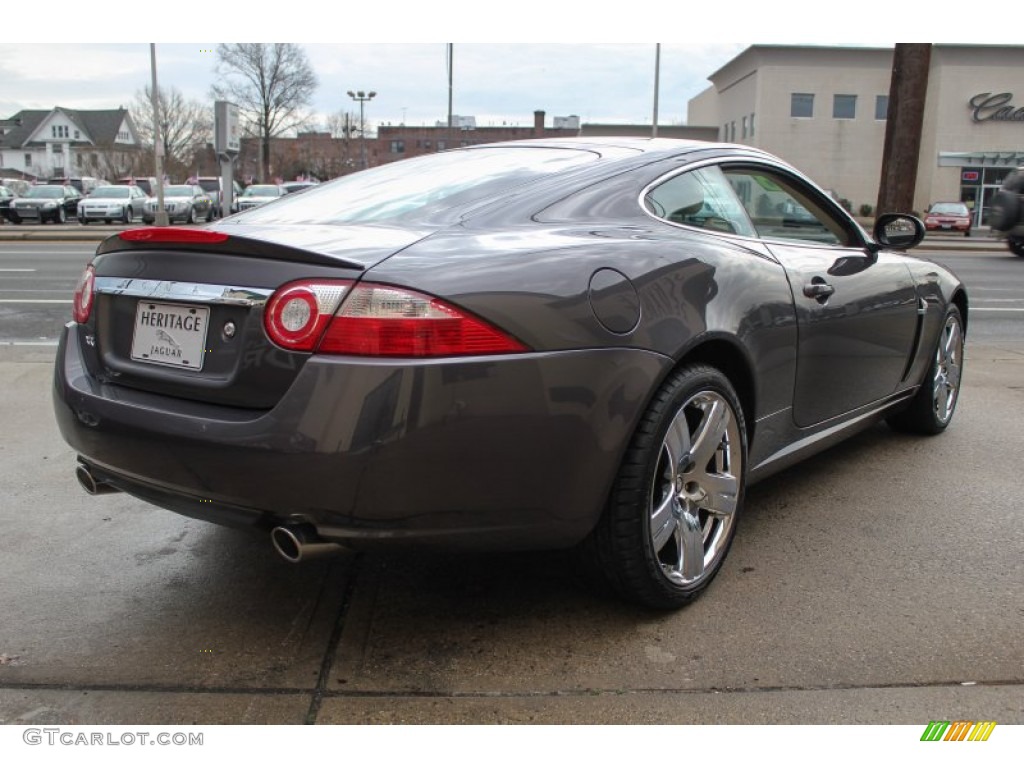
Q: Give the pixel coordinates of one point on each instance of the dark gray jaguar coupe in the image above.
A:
(581, 343)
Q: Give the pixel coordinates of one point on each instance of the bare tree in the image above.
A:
(272, 84)
(186, 126)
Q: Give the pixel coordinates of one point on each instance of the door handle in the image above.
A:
(818, 289)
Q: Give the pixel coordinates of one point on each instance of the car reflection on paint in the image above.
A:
(593, 344)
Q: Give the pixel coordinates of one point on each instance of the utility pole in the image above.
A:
(158, 147)
(657, 76)
(904, 120)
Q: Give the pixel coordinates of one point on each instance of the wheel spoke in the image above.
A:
(677, 441)
(722, 493)
(708, 436)
(690, 545)
(663, 522)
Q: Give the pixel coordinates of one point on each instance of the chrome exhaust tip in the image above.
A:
(296, 543)
(92, 486)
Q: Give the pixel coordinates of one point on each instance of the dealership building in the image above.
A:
(823, 109)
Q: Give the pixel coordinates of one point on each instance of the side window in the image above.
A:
(702, 198)
(781, 210)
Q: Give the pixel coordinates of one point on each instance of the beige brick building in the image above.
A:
(823, 109)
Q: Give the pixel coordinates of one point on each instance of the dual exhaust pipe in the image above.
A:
(295, 543)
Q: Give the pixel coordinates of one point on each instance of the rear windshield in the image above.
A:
(262, 190)
(46, 192)
(419, 188)
(110, 192)
(210, 185)
(178, 192)
(951, 209)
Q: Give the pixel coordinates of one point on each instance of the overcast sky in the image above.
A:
(564, 71)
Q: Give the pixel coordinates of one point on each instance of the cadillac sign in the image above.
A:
(995, 106)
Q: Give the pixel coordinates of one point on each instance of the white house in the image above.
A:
(39, 143)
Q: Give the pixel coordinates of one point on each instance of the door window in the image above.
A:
(781, 209)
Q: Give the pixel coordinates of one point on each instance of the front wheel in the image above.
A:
(672, 512)
(931, 409)
(1016, 245)
(126, 216)
(190, 218)
(61, 216)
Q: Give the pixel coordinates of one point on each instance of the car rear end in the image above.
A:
(306, 397)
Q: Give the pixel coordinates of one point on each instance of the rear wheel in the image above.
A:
(61, 216)
(672, 513)
(190, 217)
(1016, 245)
(126, 217)
(931, 410)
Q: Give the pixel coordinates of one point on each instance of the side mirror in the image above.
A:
(898, 230)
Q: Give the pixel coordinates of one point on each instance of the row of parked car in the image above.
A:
(131, 199)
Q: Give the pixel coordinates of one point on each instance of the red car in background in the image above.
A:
(952, 217)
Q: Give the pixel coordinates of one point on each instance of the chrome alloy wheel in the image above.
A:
(696, 487)
(948, 362)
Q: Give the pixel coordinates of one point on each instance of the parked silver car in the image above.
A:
(256, 195)
(115, 202)
(183, 202)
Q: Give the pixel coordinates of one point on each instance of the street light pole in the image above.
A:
(362, 97)
(158, 148)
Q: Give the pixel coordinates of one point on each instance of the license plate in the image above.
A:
(947, 226)
(170, 334)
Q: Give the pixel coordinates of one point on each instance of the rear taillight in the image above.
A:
(82, 303)
(377, 321)
(298, 313)
(382, 321)
(172, 235)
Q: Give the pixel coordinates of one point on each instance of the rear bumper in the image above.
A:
(487, 453)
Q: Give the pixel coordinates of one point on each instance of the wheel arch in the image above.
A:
(725, 354)
(960, 300)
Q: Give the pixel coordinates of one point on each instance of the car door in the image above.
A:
(856, 309)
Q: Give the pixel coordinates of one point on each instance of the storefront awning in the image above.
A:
(1005, 159)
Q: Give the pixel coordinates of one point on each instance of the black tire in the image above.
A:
(209, 215)
(82, 221)
(190, 217)
(931, 409)
(61, 216)
(1004, 211)
(679, 492)
(106, 221)
(127, 215)
(1016, 245)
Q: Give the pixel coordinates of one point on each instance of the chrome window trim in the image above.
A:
(742, 159)
(205, 293)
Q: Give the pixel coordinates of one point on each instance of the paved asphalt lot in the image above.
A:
(880, 582)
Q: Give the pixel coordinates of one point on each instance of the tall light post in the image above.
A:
(158, 147)
(362, 97)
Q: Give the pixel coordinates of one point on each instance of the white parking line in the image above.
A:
(2, 269)
(35, 301)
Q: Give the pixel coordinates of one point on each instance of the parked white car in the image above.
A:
(112, 203)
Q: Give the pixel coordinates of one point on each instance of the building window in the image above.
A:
(751, 125)
(441, 145)
(426, 143)
(397, 147)
(844, 106)
(881, 107)
(801, 105)
(28, 161)
(58, 149)
(732, 131)
(744, 126)
(77, 135)
(725, 132)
